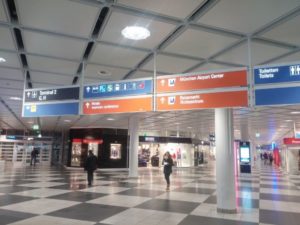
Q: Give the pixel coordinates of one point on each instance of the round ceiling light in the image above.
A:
(135, 33)
(2, 60)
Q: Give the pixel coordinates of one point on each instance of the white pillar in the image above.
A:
(225, 161)
(133, 145)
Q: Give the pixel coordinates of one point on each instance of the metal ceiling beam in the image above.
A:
(281, 56)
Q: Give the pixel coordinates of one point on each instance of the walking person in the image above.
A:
(90, 166)
(167, 163)
(33, 154)
(271, 159)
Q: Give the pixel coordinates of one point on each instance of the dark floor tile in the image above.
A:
(169, 205)
(279, 197)
(79, 196)
(13, 189)
(142, 192)
(11, 199)
(7, 216)
(195, 190)
(285, 187)
(242, 202)
(279, 218)
(201, 220)
(89, 212)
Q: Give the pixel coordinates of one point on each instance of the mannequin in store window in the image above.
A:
(167, 163)
(90, 166)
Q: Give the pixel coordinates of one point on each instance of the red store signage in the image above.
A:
(291, 141)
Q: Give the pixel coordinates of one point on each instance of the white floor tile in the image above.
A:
(135, 216)
(105, 189)
(40, 206)
(120, 200)
(280, 206)
(41, 192)
(50, 220)
(44, 184)
(182, 196)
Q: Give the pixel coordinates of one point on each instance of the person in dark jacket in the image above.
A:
(34, 154)
(90, 166)
(167, 163)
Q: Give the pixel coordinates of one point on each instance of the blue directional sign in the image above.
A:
(53, 109)
(277, 96)
(120, 88)
(277, 74)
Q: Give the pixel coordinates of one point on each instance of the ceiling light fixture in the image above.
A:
(288, 120)
(110, 119)
(15, 98)
(295, 112)
(67, 121)
(103, 73)
(135, 33)
(2, 60)
(189, 127)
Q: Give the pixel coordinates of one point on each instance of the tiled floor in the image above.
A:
(51, 196)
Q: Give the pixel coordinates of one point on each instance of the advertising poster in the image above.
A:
(115, 151)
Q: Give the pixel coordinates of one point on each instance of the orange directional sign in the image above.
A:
(202, 101)
(141, 104)
(196, 81)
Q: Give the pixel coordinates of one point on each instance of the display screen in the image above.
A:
(245, 154)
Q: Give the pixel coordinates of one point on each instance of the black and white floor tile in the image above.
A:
(52, 196)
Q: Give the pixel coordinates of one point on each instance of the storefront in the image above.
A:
(185, 152)
(16, 149)
(109, 145)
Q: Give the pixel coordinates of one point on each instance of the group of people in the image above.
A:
(91, 165)
(267, 158)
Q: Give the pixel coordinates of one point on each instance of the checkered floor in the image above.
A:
(51, 196)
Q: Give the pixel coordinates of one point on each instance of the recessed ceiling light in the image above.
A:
(288, 120)
(67, 121)
(30, 122)
(15, 98)
(295, 112)
(177, 123)
(103, 73)
(135, 33)
(189, 127)
(160, 117)
(110, 119)
(2, 60)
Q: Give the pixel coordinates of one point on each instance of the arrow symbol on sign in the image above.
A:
(88, 89)
(162, 82)
(87, 105)
(162, 100)
(28, 94)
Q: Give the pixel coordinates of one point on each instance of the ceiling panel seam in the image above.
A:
(284, 18)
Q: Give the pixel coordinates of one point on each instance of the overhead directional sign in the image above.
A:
(52, 94)
(277, 74)
(56, 101)
(277, 96)
(196, 81)
(202, 100)
(124, 105)
(120, 88)
(51, 109)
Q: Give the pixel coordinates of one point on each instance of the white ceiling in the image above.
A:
(187, 36)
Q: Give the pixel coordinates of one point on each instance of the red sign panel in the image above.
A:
(291, 141)
(96, 141)
(76, 140)
(201, 81)
(143, 104)
(202, 101)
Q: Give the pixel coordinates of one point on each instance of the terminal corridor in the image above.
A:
(53, 196)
